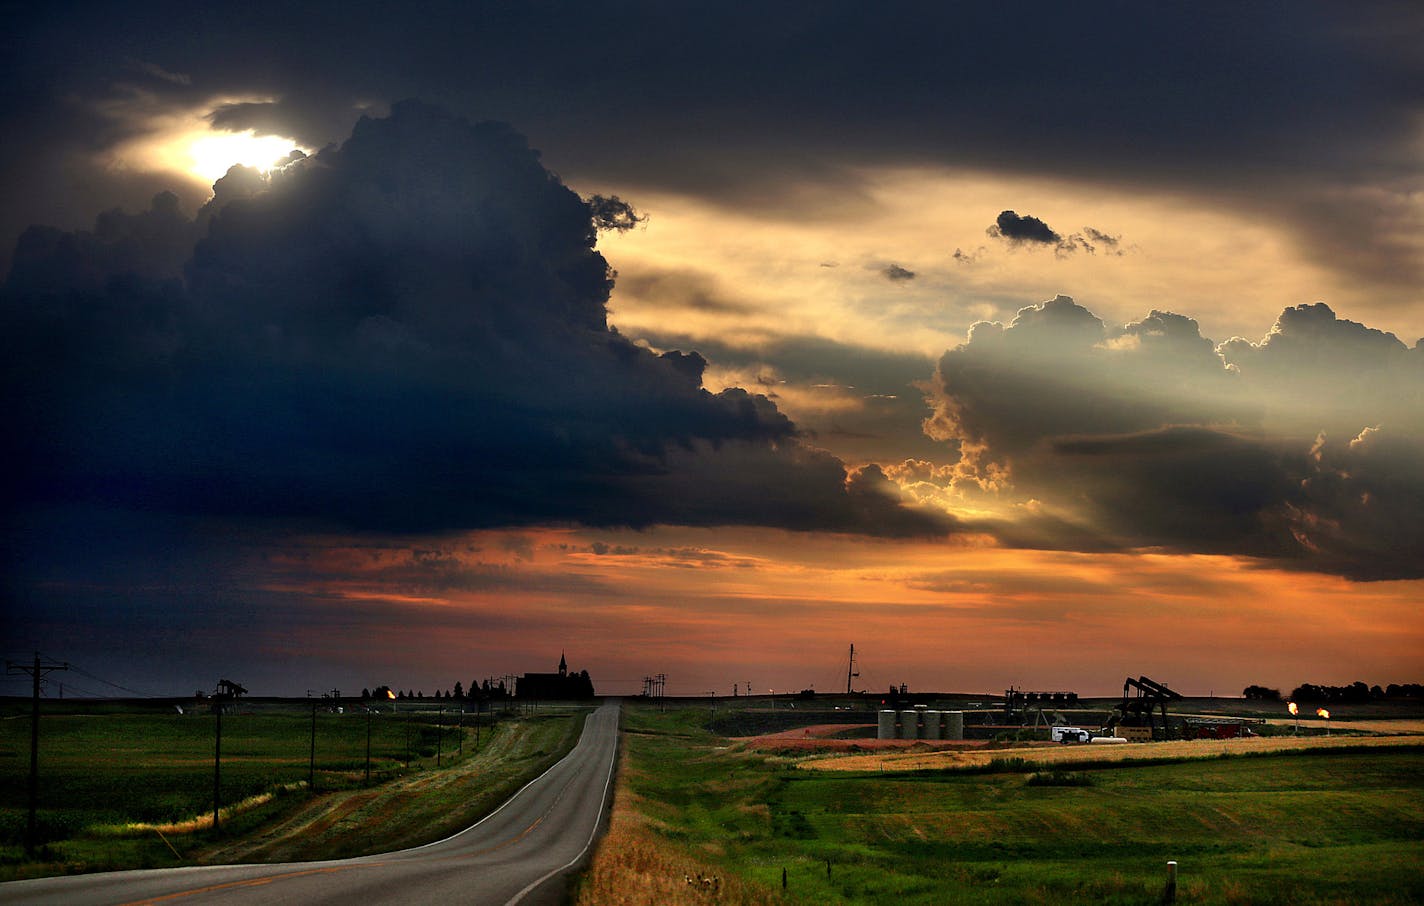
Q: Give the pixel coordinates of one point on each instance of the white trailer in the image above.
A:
(1066, 735)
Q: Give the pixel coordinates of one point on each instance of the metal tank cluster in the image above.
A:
(920, 723)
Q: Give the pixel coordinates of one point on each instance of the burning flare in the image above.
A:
(1323, 713)
(1292, 707)
(391, 695)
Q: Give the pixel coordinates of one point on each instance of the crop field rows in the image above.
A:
(1327, 825)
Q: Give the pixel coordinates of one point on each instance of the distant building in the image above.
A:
(561, 685)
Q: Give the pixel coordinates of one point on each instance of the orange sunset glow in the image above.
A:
(432, 349)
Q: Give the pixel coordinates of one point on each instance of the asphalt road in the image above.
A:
(519, 854)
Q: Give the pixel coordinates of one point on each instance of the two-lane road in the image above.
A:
(516, 855)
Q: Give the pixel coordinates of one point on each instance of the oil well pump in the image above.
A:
(1137, 710)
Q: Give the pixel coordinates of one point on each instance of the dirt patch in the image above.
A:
(822, 738)
(1066, 755)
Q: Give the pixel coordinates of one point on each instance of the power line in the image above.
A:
(82, 672)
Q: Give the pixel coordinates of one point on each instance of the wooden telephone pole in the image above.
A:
(36, 672)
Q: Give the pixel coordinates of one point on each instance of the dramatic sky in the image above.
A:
(348, 344)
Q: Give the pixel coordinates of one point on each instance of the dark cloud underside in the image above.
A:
(1307, 446)
(1305, 112)
(408, 332)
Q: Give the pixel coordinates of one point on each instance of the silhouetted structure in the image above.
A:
(226, 696)
(1134, 712)
(561, 685)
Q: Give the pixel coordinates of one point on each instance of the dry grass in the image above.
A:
(196, 823)
(635, 866)
(1064, 755)
(1391, 726)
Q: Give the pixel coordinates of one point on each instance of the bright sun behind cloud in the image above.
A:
(183, 141)
(212, 153)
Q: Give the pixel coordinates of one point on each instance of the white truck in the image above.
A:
(1067, 735)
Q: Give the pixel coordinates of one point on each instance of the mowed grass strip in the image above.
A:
(414, 809)
(131, 789)
(1342, 826)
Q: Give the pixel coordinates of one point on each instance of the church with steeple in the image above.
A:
(563, 685)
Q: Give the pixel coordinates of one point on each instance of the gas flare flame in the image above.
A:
(1323, 713)
(1292, 707)
(391, 695)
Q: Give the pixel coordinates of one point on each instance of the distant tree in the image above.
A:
(1261, 693)
(400, 695)
(365, 694)
(422, 694)
(459, 690)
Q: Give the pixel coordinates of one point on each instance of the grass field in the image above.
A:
(134, 788)
(1328, 826)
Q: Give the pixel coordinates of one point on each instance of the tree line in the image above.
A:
(1355, 693)
(482, 691)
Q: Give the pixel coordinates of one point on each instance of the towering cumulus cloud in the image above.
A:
(408, 332)
(1307, 446)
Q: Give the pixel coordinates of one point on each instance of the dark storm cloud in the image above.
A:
(897, 274)
(613, 213)
(408, 332)
(1306, 113)
(1012, 227)
(886, 426)
(1028, 230)
(1303, 446)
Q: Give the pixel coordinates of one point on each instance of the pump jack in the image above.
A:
(1133, 710)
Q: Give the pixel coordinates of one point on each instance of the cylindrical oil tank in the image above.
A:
(1107, 740)
(931, 727)
(886, 728)
(953, 725)
(909, 725)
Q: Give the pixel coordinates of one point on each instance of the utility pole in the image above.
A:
(311, 762)
(850, 670)
(460, 724)
(36, 671)
(217, 767)
(368, 746)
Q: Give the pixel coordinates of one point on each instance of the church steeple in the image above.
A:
(563, 665)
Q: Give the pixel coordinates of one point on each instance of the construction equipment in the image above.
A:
(1137, 710)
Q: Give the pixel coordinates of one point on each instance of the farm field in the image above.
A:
(133, 787)
(1300, 825)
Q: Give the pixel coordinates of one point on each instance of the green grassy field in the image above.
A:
(1338, 827)
(124, 788)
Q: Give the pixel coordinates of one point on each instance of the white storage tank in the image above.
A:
(909, 725)
(886, 727)
(932, 725)
(953, 725)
